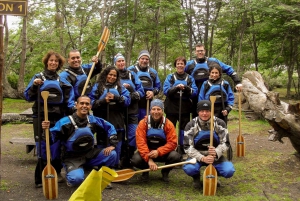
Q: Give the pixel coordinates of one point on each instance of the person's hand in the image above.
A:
(38, 81)
(212, 151)
(239, 87)
(126, 85)
(108, 150)
(45, 124)
(149, 95)
(208, 159)
(224, 112)
(95, 59)
(152, 165)
(180, 87)
(109, 96)
(153, 154)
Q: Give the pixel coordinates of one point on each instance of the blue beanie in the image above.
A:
(158, 103)
(144, 53)
(117, 57)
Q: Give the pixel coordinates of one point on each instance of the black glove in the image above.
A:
(172, 91)
(228, 108)
(130, 89)
(113, 140)
(135, 96)
(97, 103)
(116, 98)
(187, 90)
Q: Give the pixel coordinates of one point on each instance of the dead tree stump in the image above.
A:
(283, 117)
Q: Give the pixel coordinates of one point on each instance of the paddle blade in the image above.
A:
(240, 146)
(104, 39)
(50, 185)
(210, 179)
(124, 175)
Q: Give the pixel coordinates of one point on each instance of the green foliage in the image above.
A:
(15, 105)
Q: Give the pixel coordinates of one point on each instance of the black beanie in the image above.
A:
(203, 105)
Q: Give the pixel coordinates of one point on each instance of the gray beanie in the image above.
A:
(158, 103)
(203, 105)
(144, 53)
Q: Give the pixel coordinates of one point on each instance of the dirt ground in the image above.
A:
(17, 169)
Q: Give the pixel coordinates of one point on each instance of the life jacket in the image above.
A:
(202, 139)
(80, 82)
(113, 90)
(156, 137)
(176, 82)
(128, 80)
(145, 79)
(201, 72)
(217, 90)
(55, 91)
(81, 140)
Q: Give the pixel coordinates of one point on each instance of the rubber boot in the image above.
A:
(165, 175)
(197, 183)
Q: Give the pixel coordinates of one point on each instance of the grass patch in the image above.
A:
(15, 105)
(3, 185)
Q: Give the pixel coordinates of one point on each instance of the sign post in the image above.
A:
(7, 8)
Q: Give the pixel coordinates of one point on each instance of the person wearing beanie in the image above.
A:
(175, 83)
(197, 140)
(198, 68)
(149, 78)
(133, 84)
(156, 141)
(77, 73)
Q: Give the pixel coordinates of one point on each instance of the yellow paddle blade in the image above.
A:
(210, 179)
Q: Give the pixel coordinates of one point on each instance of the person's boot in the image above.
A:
(165, 175)
(144, 177)
(197, 184)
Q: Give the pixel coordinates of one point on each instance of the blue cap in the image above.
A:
(158, 103)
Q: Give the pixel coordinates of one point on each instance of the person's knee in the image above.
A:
(228, 170)
(190, 169)
(75, 177)
(174, 157)
(136, 159)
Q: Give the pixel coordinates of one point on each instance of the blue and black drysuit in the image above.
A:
(199, 70)
(112, 111)
(60, 103)
(136, 91)
(150, 81)
(172, 102)
(73, 140)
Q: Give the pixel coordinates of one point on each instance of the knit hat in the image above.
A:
(158, 103)
(117, 57)
(203, 105)
(144, 53)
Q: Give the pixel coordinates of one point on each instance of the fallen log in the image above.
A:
(283, 117)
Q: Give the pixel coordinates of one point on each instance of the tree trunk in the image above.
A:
(21, 86)
(283, 117)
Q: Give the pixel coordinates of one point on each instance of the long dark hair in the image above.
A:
(103, 76)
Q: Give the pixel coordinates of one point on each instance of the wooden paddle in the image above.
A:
(210, 175)
(49, 175)
(240, 142)
(101, 45)
(126, 174)
(179, 147)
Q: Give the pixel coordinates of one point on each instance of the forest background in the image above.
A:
(261, 35)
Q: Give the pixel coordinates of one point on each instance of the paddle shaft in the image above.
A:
(45, 95)
(101, 45)
(240, 142)
(240, 114)
(147, 108)
(212, 101)
(39, 129)
(223, 103)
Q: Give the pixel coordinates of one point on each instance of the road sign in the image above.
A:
(13, 7)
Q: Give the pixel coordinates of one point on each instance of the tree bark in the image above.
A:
(283, 117)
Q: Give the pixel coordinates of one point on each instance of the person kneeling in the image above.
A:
(197, 141)
(75, 133)
(156, 141)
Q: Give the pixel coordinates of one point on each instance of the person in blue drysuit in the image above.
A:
(134, 85)
(61, 102)
(150, 81)
(73, 140)
(76, 73)
(109, 98)
(176, 83)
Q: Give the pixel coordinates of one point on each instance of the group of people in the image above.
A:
(120, 99)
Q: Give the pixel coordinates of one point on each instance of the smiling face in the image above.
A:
(120, 64)
(214, 74)
(200, 52)
(83, 106)
(144, 61)
(111, 76)
(180, 66)
(74, 59)
(204, 115)
(52, 63)
(156, 113)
